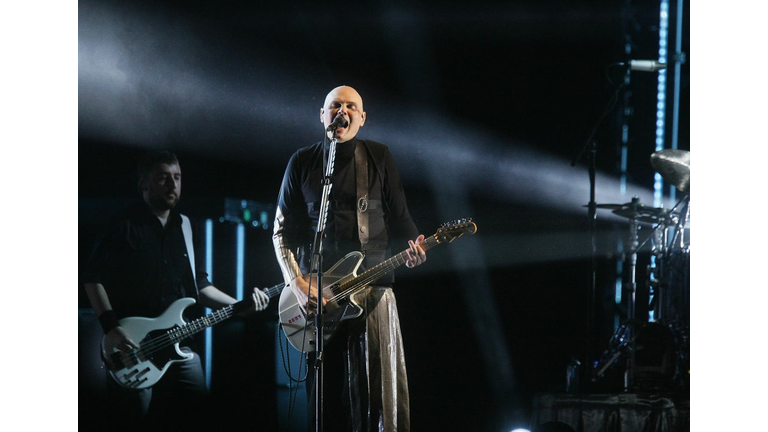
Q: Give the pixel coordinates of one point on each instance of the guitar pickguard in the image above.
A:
(299, 327)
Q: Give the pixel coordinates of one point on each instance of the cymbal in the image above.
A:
(635, 210)
(674, 166)
(648, 214)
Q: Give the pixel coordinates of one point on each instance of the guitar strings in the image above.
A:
(175, 334)
(377, 271)
(380, 270)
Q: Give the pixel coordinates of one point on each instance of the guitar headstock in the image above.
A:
(450, 231)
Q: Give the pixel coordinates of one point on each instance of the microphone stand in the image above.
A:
(318, 268)
(590, 147)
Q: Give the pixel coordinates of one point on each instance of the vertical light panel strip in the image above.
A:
(678, 61)
(209, 330)
(624, 158)
(619, 286)
(209, 248)
(661, 104)
(619, 282)
(661, 109)
(240, 260)
(618, 290)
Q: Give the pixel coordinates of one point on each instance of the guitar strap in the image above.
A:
(186, 228)
(361, 174)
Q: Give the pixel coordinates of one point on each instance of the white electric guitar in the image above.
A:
(159, 341)
(341, 282)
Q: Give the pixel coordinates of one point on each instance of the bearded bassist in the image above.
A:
(149, 257)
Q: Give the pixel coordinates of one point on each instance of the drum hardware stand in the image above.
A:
(655, 271)
(680, 225)
(590, 148)
(625, 336)
(674, 167)
(634, 246)
(621, 348)
(662, 249)
(666, 283)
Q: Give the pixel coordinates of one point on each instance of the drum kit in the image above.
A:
(654, 354)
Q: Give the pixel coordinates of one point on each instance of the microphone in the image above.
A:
(338, 122)
(646, 65)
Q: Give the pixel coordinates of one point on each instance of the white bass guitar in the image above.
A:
(159, 341)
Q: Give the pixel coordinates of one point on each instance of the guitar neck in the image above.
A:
(178, 333)
(354, 285)
(182, 332)
(274, 291)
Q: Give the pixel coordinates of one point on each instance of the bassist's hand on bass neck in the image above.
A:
(213, 298)
(258, 301)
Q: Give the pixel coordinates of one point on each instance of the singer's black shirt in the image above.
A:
(390, 223)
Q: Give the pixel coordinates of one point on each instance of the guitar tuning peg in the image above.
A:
(456, 222)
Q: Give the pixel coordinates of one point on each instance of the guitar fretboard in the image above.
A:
(178, 333)
(351, 287)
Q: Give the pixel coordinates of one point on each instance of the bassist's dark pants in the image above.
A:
(177, 401)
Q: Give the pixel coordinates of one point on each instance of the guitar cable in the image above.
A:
(293, 390)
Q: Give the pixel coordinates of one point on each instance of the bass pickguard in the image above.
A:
(142, 368)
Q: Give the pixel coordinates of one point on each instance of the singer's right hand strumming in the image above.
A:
(301, 286)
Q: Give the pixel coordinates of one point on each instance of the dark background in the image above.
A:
(486, 106)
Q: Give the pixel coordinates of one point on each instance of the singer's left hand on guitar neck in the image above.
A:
(416, 255)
